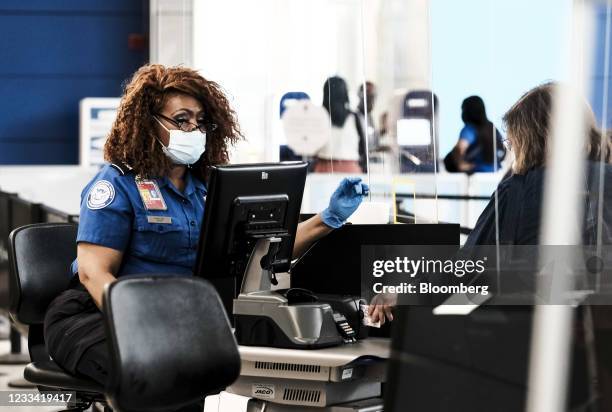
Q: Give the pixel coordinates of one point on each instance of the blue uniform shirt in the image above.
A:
(469, 134)
(152, 241)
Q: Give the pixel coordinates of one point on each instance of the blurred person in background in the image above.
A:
(341, 154)
(367, 132)
(520, 196)
(480, 147)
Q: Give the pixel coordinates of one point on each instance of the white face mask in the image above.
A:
(184, 148)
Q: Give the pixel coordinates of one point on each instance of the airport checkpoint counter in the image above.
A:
(342, 378)
(416, 192)
(60, 187)
(348, 377)
(357, 370)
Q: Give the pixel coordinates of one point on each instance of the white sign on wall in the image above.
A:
(96, 118)
(306, 127)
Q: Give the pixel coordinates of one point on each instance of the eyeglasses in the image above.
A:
(188, 126)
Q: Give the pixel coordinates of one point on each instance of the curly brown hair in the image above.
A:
(132, 140)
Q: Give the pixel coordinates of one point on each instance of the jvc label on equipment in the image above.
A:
(263, 391)
(347, 373)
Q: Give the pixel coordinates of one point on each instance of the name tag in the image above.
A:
(159, 219)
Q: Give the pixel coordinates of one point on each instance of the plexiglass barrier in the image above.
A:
(336, 84)
(490, 114)
(419, 103)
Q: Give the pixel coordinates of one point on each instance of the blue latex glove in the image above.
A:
(344, 201)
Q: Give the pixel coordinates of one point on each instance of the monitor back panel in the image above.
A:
(333, 264)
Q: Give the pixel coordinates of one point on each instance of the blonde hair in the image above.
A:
(528, 123)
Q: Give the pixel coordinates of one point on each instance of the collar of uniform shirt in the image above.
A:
(191, 184)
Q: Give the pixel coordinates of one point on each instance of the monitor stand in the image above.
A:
(256, 275)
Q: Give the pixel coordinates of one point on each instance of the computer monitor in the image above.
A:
(246, 203)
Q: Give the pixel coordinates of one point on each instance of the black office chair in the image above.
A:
(40, 256)
(171, 343)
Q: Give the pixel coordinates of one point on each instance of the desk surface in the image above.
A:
(58, 187)
(333, 356)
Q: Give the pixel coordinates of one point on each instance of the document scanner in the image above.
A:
(289, 318)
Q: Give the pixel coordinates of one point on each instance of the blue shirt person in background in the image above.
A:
(480, 147)
(142, 213)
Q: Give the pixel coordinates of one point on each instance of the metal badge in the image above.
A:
(159, 219)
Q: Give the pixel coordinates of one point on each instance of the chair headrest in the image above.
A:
(171, 342)
(40, 257)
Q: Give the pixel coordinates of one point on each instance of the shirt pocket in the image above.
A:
(159, 242)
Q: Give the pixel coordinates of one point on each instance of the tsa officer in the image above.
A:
(142, 213)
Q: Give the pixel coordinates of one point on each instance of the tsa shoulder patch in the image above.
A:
(100, 195)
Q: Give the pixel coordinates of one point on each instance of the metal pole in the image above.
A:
(562, 214)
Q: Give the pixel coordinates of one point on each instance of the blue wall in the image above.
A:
(53, 54)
